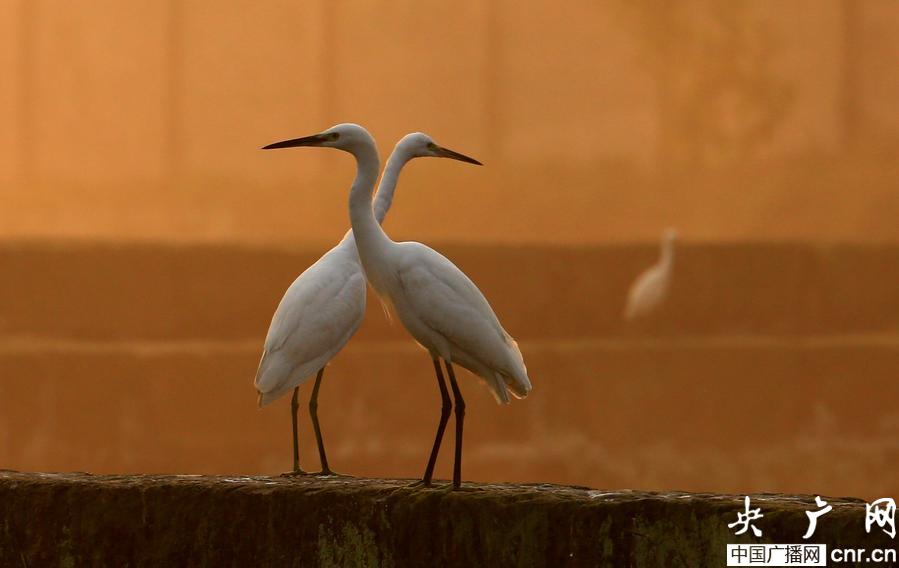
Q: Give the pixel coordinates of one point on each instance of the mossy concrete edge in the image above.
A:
(77, 519)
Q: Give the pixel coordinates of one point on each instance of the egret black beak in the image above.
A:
(447, 153)
(314, 140)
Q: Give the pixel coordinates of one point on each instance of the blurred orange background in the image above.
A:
(147, 240)
(142, 119)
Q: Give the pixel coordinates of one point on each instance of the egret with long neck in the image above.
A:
(324, 306)
(650, 290)
(436, 302)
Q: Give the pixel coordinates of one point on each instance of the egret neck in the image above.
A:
(667, 252)
(384, 197)
(372, 242)
(399, 158)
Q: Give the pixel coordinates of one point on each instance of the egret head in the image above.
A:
(420, 145)
(348, 137)
(670, 235)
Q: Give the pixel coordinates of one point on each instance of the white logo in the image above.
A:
(882, 513)
(813, 516)
(745, 519)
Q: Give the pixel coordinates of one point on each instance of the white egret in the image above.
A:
(436, 302)
(650, 289)
(324, 307)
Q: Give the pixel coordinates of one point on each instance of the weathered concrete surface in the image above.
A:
(83, 520)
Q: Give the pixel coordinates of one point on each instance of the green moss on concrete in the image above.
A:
(349, 545)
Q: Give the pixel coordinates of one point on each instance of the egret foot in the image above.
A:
(449, 487)
(330, 473)
(295, 473)
(421, 483)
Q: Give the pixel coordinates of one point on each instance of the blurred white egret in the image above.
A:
(323, 308)
(440, 306)
(650, 289)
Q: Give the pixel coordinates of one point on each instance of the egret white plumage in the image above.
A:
(650, 289)
(436, 302)
(324, 307)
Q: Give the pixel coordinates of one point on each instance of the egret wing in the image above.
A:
(646, 293)
(317, 316)
(447, 301)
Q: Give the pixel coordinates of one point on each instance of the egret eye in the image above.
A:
(333, 136)
(432, 147)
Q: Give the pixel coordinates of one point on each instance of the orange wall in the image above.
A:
(598, 121)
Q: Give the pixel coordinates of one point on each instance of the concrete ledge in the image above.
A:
(84, 520)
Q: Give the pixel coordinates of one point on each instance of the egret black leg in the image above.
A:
(313, 412)
(294, 407)
(445, 408)
(460, 420)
